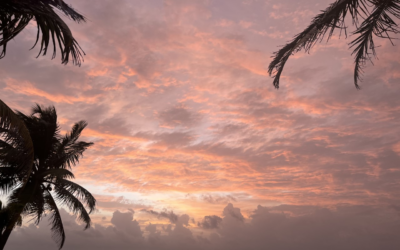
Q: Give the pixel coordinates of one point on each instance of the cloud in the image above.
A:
(210, 222)
(111, 203)
(178, 116)
(171, 216)
(280, 227)
(125, 222)
(218, 199)
(234, 212)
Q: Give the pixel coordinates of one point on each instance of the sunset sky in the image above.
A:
(193, 146)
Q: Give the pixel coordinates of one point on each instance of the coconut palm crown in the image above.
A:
(378, 19)
(15, 15)
(49, 181)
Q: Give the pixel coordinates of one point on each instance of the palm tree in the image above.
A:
(49, 181)
(377, 20)
(15, 15)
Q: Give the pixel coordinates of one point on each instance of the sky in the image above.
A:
(193, 146)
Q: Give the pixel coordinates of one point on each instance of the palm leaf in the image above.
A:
(58, 173)
(378, 23)
(43, 128)
(18, 135)
(73, 203)
(69, 150)
(78, 191)
(11, 156)
(36, 207)
(76, 131)
(31, 198)
(8, 179)
(74, 152)
(16, 15)
(329, 20)
(4, 216)
(57, 227)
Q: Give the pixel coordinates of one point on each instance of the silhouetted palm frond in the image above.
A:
(5, 215)
(16, 146)
(55, 174)
(9, 178)
(65, 197)
(57, 227)
(16, 15)
(43, 129)
(70, 150)
(378, 22)
(78, 191)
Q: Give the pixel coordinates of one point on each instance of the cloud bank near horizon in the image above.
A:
(281, 227)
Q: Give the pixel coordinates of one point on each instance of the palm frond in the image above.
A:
(66, 157)
(18, 199)
(76, 131)
(4, 217)
(43, 128)
(69, 150)
(73, 203)
(378, 23)
(57, 227)
(7, 185)
(330, 19)
(19, 221)
(8, 179)
(35, 205)
(48, 114)
(66, 9)
(78, 191)
(75, 152)
(10, 156)
(16, 15)
(58, 173)
(17, 135)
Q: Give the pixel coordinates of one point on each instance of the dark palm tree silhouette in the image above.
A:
(377, 20)
(49, 179)
(15, 15)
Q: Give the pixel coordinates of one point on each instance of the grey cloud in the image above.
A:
(176, 138)
(171, 216)
(234, 212)
(125, 222)
(230, 129)
(210, 222)
(152, 228)
(218, 199)
(388, 160)
(178, 116)
(113, 125)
